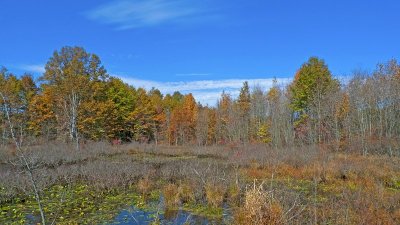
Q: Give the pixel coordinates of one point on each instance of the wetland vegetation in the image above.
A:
(140, 183)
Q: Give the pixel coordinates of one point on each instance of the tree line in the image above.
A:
(76, 100)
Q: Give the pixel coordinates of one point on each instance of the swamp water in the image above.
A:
(134, 215)
(80, 205)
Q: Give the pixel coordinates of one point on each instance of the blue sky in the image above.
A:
(202, 46)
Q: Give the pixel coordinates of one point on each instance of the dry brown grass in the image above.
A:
(144, 186)
(186, 192)
(214, 194)
(259, 208)
(348, 188)
(233, 194)
(171, 195)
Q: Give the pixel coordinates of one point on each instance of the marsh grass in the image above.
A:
(171, 195)
(214, 194)
(306, 183)
(259, 207)
(144, 186)
(233, 195)
(186, 192)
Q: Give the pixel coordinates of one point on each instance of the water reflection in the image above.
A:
(134, 215)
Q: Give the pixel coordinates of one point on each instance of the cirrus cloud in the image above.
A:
(128, 14)
(32, 68)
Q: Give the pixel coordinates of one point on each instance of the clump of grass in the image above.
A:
(233, 194)
(214, 194)
(186, 193)
(171, 195)
(144, 186)
(259, 208)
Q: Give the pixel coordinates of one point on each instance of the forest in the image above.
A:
(319, 150)
(76, 100)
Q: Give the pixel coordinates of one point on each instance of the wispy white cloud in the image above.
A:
(191, 74)
(205, 91)
(169, 87)
(127, 14)
(35, 68)
(210, 97)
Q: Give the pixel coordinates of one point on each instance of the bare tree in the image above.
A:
(23, 158)
(202, 126)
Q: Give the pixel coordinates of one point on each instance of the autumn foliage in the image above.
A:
(76, 100)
